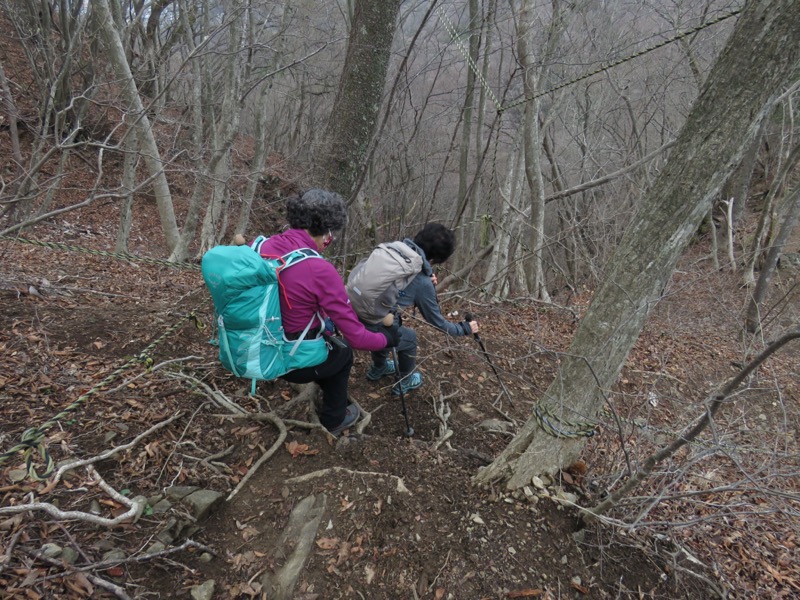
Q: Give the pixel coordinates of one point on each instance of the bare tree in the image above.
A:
(358, 101)
(144, 130)
(736, 97)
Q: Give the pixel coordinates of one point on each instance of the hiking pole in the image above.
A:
(468, 318)
(409, 430)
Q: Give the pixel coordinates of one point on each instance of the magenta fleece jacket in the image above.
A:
(315, 285)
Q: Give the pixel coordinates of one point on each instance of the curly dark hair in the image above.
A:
(437, 241)
(317, 211)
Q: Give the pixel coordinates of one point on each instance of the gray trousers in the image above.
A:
(406, 352)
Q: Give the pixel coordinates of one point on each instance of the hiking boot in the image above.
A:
(410, 382)
(351, 415)
(375, 373)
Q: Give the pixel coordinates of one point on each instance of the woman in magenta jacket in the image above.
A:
(314, 286)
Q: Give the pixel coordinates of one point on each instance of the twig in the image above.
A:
(713, 403)
(98, 581)
(175, 446)
(6, 558)
(500, 411)
(446, 560)
(133, 512)
(401, 487)
(114, 562)
(109, 453)
(91, 291)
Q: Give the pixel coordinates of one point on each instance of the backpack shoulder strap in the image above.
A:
(257, 243)
(288, 259)
(299, 255)
(292, 258)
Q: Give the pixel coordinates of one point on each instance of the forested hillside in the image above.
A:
(622, 180)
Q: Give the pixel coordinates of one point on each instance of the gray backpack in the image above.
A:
(375, 282)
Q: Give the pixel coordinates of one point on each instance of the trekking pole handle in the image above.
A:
(468, 318)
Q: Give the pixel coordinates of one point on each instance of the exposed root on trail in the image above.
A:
(401, 486)
(442, 410)
(264, 457)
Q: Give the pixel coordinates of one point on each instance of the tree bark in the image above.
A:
(129, 162)
(761, 56)
(358, 100)
(151, 155)
(792, 213)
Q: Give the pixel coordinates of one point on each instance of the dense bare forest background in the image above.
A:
(537, 130)
(450, 141)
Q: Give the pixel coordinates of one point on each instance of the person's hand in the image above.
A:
(434, 279)
(238, 240)
(469, 326)
(330, 327)
(392, 335)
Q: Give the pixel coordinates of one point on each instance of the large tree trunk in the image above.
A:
(535, 72)
(504, 273)
(760, 57)
(358, 101)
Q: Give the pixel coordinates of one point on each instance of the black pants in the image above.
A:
(332, 376)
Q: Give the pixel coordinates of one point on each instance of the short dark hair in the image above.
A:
(437, 241)
(317, 211)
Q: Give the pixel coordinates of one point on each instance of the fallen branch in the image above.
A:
(147, 372)
(115, 562)
(214, 395)
(134, 508)
(6, 558)
(96, 580)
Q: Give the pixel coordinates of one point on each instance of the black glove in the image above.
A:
(392, 334)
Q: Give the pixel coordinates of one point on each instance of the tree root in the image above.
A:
(401, 486)
(108, 453)
(442, 410)
(274, 448)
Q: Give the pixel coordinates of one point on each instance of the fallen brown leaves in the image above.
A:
(297, 449)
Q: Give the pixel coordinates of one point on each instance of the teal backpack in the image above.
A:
(245, 289)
